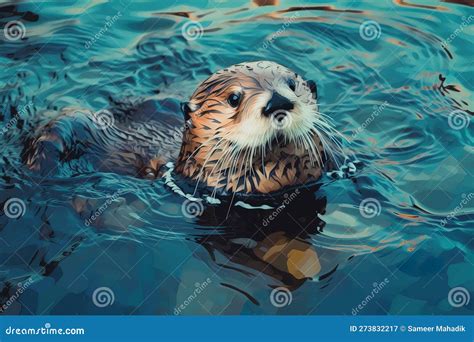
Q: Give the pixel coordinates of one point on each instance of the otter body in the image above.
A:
(251, 128)
(82, 141)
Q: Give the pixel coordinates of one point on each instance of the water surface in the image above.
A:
(401, 92)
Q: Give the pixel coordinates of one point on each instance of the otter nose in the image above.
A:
(277, 102)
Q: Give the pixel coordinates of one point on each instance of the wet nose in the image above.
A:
(277, 102)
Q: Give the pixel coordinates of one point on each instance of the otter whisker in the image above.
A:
(224, 148)
(252, 171)
(205, 143)
(323, 127)
(226, 159)
(242, 164)
(235, 184)
(314, 152)
(328, 122)
(246, 161)
(329, 147)
(303, 140)
(218, 165)
(222, 162)
(250, 162)
(332, 135)
(220, 144)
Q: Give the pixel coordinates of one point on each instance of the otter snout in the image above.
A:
(277, 103)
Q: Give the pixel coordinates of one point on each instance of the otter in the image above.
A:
(251, 128)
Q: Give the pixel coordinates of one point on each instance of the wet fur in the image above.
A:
(217, 149)
(229, 150)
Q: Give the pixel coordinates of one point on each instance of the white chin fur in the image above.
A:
(257, 130)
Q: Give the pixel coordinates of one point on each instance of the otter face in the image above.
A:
(247, 123)
(260, 101)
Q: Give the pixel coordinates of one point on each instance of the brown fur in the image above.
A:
(228, 149)
(206, 153)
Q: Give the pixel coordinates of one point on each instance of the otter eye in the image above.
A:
(234, 99)
(292, 84)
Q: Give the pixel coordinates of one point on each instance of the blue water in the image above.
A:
(401, 93)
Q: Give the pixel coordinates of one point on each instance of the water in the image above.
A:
(402, 96)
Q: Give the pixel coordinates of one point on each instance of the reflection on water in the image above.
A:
(399, 89)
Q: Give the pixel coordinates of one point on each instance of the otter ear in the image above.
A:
(314, 89)
(186, 108)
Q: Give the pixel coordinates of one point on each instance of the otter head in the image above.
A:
(253, 128)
